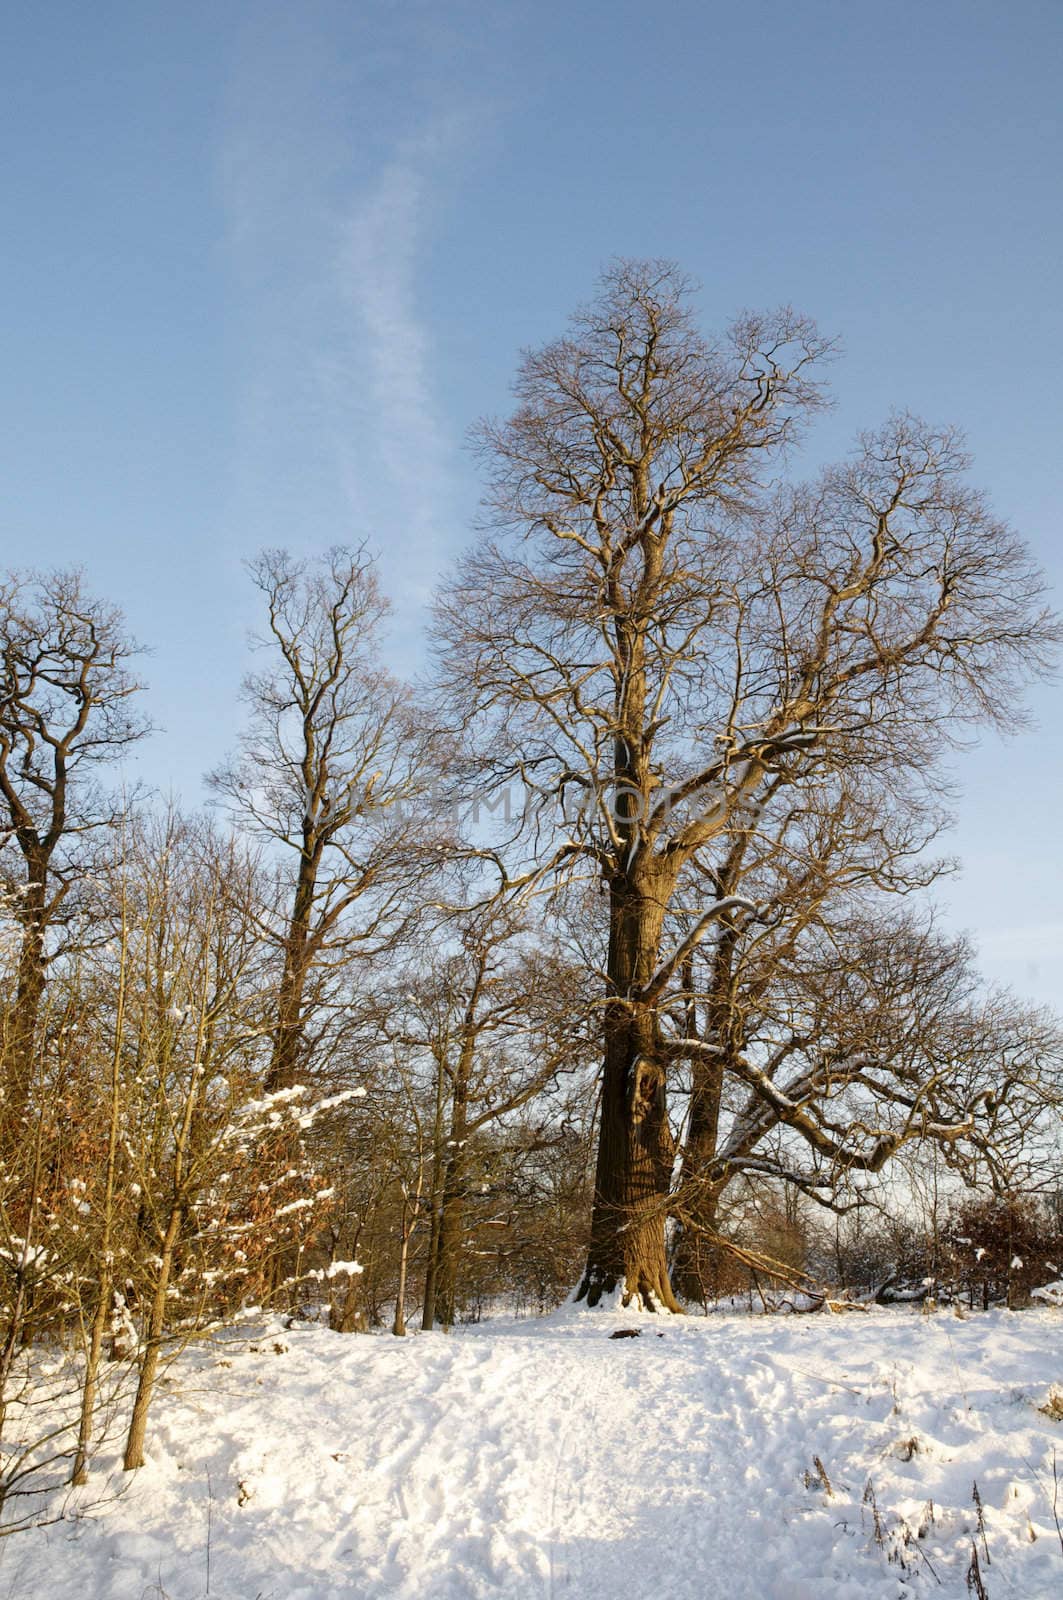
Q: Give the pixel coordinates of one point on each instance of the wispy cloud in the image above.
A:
(381, 262)
(332, 184)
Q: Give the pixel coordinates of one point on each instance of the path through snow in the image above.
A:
(544, 1459)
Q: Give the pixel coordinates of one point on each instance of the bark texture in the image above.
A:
(286, 1054)
(29, 993)
(635, 1147)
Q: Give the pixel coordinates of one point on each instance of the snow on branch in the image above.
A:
(665, 972)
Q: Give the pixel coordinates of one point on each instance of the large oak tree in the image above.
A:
(655, 639)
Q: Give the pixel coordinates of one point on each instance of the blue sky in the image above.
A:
(264, 264)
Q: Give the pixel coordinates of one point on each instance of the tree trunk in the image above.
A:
(452, 1202)
(451, 1240)
(431, 1277)
(695, 1256)
(26, 1006)
(284, 1066)
(398, 1326)
(149, 1366)
(635, 1147)
(103, 1287)
(80, 1473)
(283, 1070)
(411, 1206)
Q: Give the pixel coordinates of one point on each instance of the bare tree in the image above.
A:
(498, 1016)
(195, 999)
(104, 1287)
(66, 693)
(658, 639)
(327, 764)
(874, 1035)
(221, 1181)
(807, 880)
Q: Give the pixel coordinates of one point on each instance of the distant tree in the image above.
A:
(660, 643)
(496, 1017)
(544, 1183)
(330, 759)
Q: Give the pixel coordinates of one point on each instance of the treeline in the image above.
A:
(261, 1055)
(581, 965)
(927, 1239)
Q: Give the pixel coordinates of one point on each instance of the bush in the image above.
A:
(999, 1249)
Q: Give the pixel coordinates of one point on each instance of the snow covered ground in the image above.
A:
(547, 1459)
